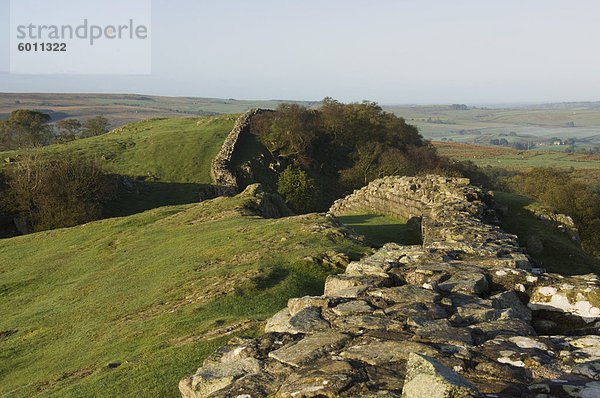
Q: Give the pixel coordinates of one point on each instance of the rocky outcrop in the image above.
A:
(221, 171)
(265, 204)
(464, 315)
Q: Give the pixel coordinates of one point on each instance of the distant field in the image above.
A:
(512, 158)
(126, 108)
(128, 306)
(479, 126)
(475, 125)
(583, 167)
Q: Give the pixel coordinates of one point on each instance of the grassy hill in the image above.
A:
(167, 160)
(128, 306)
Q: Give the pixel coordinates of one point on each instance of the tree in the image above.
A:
(298, 189)
(71, 128)
(54, 193)
(95, 126)
(25, 129)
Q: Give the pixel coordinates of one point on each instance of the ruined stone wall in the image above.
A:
(404, 197)
(466, 314)
(221, 171)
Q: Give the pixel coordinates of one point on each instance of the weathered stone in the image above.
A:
(465, 282)
(406, 294)
(213, 377)
(250, 386)
(309, 320)
(442, 332)
(564, 388)
(296, 305)
(351, 292)
(503, 327)
(576, 296)
(280, 322)
(384, 382)
(353, 307)
(475, 313)
(337, 283)
(417, 309)
(381, 352)
(357, 323)
(310, 348)
(510, 300)
(368, 267)
(325, 379)
(427, 377)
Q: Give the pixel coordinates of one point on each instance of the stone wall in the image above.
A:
(464, 315)
(221, 171)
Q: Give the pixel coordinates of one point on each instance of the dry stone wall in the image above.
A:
(467, 314)
(222, 171)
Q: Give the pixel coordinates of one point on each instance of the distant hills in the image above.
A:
(126, 108)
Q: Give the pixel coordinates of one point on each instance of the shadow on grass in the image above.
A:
(559, 253)
(379, 229)
(135, 196)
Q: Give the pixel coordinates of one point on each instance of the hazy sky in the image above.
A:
(393, 52)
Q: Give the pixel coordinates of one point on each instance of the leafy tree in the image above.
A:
(25, 129)
(95, 126)
(71, 128)
(298, 189)
(54, 193)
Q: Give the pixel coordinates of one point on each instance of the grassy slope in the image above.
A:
(170, 158)
(380, 229)
(559, 254)
(141, 291)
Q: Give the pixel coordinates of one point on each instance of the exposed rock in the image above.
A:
(427, 377)
(406, 294)
(213, 377)
(321, 380)
(310, 348)
(382, 352)
(575, 295)
(353, 307)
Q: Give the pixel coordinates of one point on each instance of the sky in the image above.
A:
(389, 51)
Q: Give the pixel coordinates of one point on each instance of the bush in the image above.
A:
(298, 189)
(55, 193)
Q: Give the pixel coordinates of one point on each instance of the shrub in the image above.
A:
(298, 189)
(55, 193)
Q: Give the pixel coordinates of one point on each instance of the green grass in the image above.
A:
(169, 159)
(560, 254)
(379, 229)
(141, 291)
